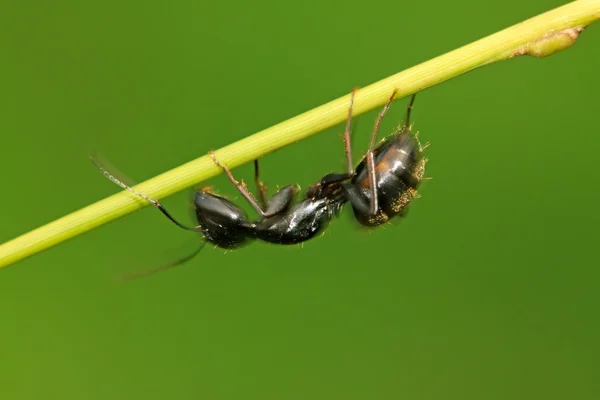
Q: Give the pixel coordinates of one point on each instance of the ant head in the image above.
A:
(222, 222)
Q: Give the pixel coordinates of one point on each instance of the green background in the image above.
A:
(487, 290)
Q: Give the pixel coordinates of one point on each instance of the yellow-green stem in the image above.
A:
(539, 36)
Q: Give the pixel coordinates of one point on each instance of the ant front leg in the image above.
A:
(316, 190)
(280, 200)
(240, 186)
(330, 179)
(278, 203)
(370, 157)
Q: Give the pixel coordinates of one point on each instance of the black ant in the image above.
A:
(396, 166)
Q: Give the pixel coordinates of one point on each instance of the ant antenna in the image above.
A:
(155, 203)
(173, 264)
(409, 109)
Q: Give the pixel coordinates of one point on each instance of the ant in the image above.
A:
(381, 186)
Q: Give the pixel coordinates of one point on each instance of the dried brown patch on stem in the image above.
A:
(550, 43)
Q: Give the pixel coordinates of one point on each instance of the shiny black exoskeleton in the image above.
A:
(282, 221)
(301, 222)
(382, 186)
(221, 222)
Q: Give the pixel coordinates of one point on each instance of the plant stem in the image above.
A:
(540, 36)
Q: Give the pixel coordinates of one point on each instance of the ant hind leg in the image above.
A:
(347, 132)
(370, 157)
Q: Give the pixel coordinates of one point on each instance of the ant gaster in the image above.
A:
(386, 179)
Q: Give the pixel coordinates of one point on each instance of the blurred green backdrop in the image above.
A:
(488, 290)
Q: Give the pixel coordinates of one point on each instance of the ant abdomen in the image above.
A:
(395, 168)
(399, 168)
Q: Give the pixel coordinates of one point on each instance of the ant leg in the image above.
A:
(347, 143)
(315, 190)
(422, 147)
(240, 186)
(329, 179)
(409, 109)
(282, 200)
(155, 203)
(370, 157)
(262, 188)
(385, 109)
